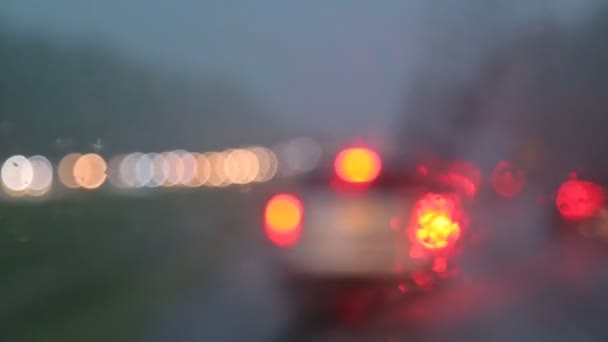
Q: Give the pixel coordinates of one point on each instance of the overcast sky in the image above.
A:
(341, 63)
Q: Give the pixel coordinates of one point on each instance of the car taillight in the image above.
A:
(508, 180)
(463, 176)
(358, 165)
(435, 222)
(578, 200)
(282, 219)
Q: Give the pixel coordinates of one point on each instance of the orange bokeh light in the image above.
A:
(283, 215)
(241, 166)
(217, 175)
(358, 165)
(203, 170)
(65, 170)
(196, 180)
(90, 171)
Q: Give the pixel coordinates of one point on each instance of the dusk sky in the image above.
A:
(341, 63)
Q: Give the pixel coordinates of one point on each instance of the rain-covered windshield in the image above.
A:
(143, 143)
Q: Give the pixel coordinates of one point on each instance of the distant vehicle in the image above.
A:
(362, 223)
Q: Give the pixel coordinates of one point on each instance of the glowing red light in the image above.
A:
(507, 180)
(423, 170)
(464, 176)
(434, 223)
(460, 182)
(283, 217)
(578, 200)
(469, 170)
(440, 265)
(395, 223)
(423, 279)
(417, 251)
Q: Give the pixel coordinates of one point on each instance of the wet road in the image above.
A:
(189, 267)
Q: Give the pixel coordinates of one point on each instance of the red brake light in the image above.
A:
(434, 222)
(578, 200)
(283, 217)
(464, 176)
(358, 165)
(507, 180)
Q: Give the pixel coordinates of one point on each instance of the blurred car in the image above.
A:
(361, 226)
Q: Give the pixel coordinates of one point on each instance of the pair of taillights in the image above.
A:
(437, 220)
(284, 212)
(434, 225)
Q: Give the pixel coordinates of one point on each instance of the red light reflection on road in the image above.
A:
(354, 306)
(472, 297)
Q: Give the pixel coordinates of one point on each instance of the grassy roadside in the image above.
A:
(98, 268)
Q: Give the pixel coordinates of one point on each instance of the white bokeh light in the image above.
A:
(189, 166)
(160, 170)
(17, 173)
(267, 163)
(299, 155)
(176, 169)
(143, 170)
(43, 175)
(127, 169)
